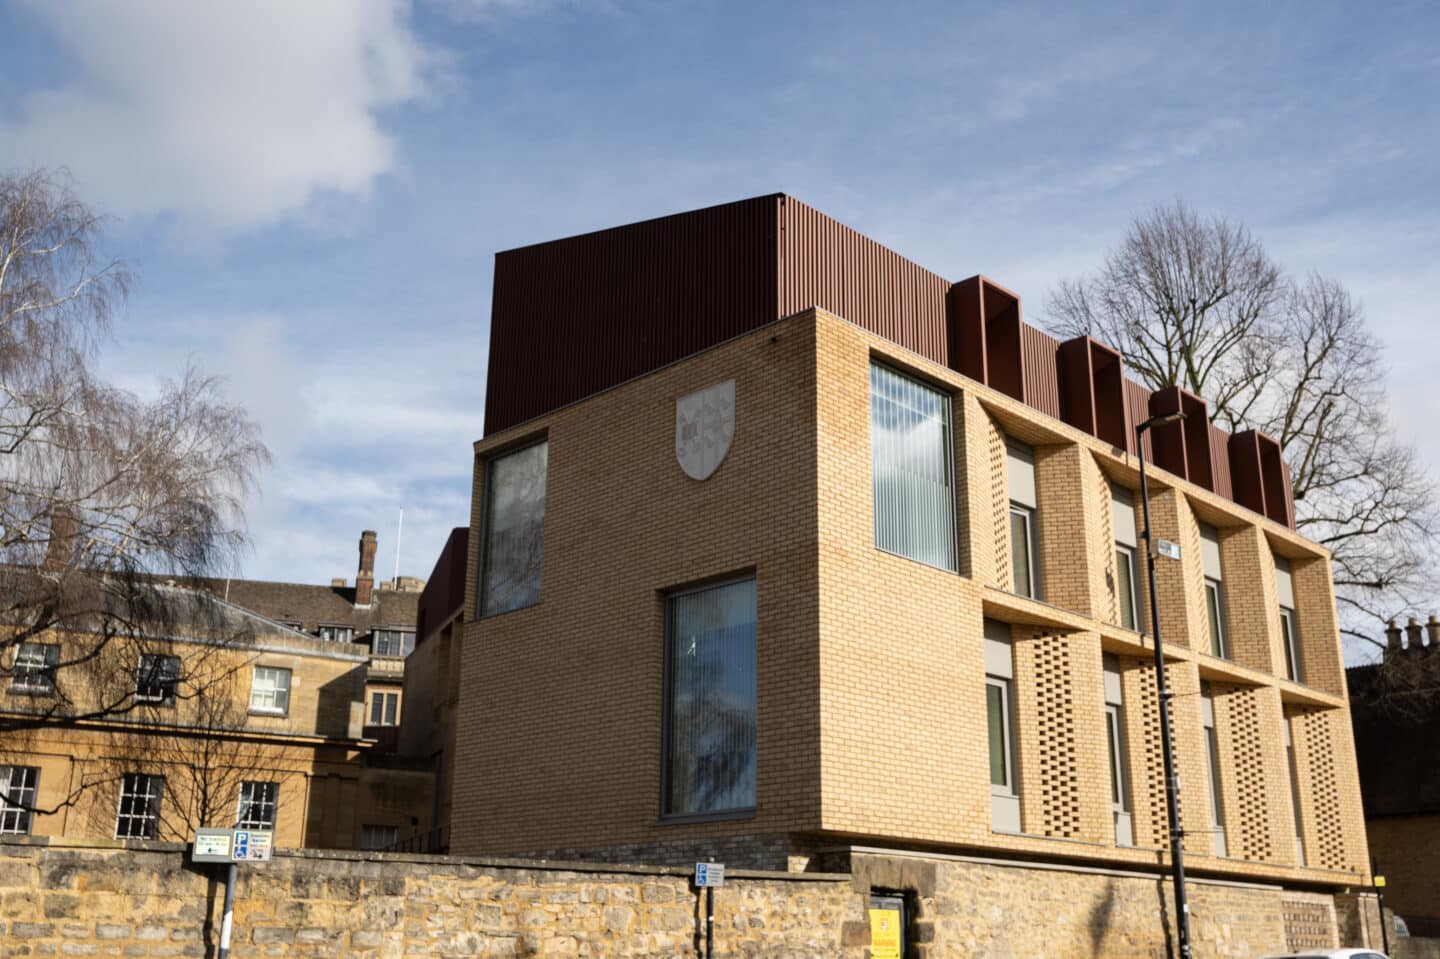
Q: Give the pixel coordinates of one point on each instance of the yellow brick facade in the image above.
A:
(871, 711)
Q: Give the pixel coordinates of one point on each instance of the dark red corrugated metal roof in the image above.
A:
(575, 316)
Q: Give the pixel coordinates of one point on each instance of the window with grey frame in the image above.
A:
(1115, 743)
(513, 534)
(1122, 518)
(710, 700)
(392, 642)
(18, 788)
(1214, 591)
(1289, 633)
(33, 673)
(1212, 766)
(1294, 768)
(1024, 559)
(1000, 722)
(913, 473)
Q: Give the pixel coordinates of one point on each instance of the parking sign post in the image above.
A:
(231, 847)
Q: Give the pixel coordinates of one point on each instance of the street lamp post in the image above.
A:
(1172, 783)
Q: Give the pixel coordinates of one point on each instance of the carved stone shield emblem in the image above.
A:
(704, 426)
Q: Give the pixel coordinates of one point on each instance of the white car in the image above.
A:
(1331, 953)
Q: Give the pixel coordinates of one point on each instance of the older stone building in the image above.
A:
(1396, 708)
(791, 553)
(270, 704)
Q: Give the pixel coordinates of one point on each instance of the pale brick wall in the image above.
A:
(871, 716)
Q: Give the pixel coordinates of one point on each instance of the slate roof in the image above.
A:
(314, 606)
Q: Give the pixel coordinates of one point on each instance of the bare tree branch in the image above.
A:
(1197, 303)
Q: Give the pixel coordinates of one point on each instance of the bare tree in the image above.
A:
(1196, 302)
(103, 495)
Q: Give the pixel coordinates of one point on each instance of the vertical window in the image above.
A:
(1115, 742)
(34, 671)
(1122, 518)
(17, 798)
(1294, 790)
(1289, 635)
(257, 805)
(384, 708)
(139, 813)
(1000, 717)
(270, 690)
(910, 444)
(1212, 764)
(392, 642)
(514, 524)
(156, 679)
(710, 700)
(379, 838)
(1020, 466)
(1214, 590)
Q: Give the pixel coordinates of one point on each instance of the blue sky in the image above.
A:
(313, 193)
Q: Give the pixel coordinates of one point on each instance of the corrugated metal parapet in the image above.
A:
(575, 316)
(825, 263)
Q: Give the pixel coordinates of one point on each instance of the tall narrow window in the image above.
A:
(1122, 516)
(1295, 791)
(257, 805)
(139, 813)
(157, 678)
(910, 445)
(514, 524)
(1289, 634)
(1115, 741)
(18, 785)
(1214, 590)
(34, 671)
(710, 700)
(1000, 718)
(384, 708)
(1020, 463)
(1212, 763)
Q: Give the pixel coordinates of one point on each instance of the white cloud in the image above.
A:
(231, 114)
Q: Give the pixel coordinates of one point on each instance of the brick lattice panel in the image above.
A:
(1000, 506)
(1154, 781)
(1199, 614)
(1309, 924)
(1249, 766)
(1325, 789)
(1111, 610)
(1058, 763)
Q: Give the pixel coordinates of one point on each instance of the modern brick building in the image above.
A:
(789, 552)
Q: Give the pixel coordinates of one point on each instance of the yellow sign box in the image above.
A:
(884, 934)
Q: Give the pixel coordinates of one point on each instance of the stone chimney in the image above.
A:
(365, 577)
(1392, 639)
(60, 551)
(1432, 632)
(1413, 642)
